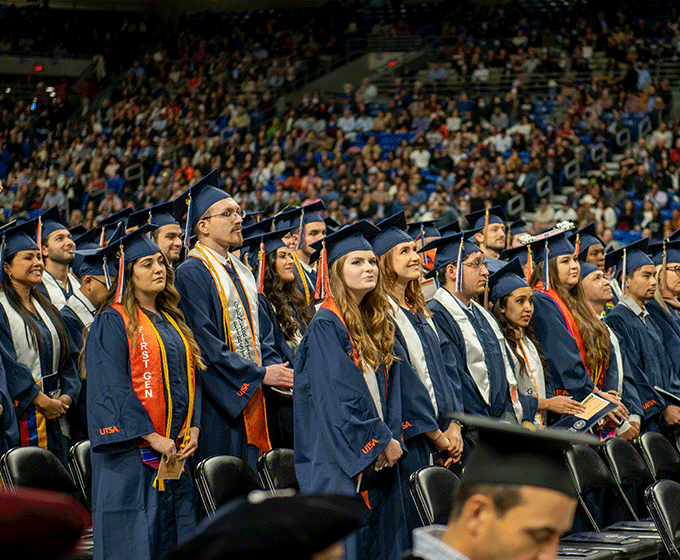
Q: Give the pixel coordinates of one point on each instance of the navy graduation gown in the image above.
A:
(8, 420)
(339, 433)
(566, 372)
(668, 324)
(131, 518)
(499, 394)
(226, 372)
(23, 389)
(647, 359)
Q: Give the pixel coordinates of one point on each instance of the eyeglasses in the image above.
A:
(675, 269)
(229, 215)
(98, 280)
(476, 265)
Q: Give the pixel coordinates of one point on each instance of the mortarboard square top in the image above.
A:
(448, 249)
(331, 224)
(115, 219)
(258, 228)
(508, 454)
(288, 218)
(422, 229)
(634, 255)
(347, 239)
(558, 245)
(477, 219)
(91, 262)
(587, 269)
(492, 265)
(392, 233)
(520, 252)
(452, 227)
(50, 222)
(506, 280)
(674, 236)
(162, 214)
(672, 248)
(136, 245)
(517, 227)
(585, 237)
(202, 196)
(19, 237)
(272, 241)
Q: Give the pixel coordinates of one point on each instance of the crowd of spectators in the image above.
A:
(208, 98)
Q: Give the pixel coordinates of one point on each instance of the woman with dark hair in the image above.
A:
(513, 306)
(574, 341)
(347, 394)
(42, 380)
(143, 406)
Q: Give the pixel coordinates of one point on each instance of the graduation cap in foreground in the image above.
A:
(510, 454)
(506, 280)
(329, 249)
(452, 248)
(128, 248)
(392, 233)
(262, 526)
(627, 259)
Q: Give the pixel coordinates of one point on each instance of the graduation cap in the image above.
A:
(94, 262)
(506, 279)
(452, 227)
(286, 218)
(262, 526)
(115, 219)
(517, 227)
(583, 239)
(159, 215)
(49, 222)
(15, 238)
(587, 269)
(128, 248)
(550, 244)
(259, 246)
(482, 218)
(627, 259)
(423, 229)
(492, 265)
(309, 213)
(350, 238)
(199, 198)
(249, 219)
(392, 233)
(509, 454)
(77, 231)
(671, 249)
(451, 248)
(331, 224)
(674, 236)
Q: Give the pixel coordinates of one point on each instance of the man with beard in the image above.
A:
(219, 300)
(491, 225)
(168, 235)
(58, 282)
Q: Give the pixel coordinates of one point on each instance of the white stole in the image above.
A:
(27, 354)
(414, 347)
(82, 307)
(475, 358)
(246, 345)
(55, 291)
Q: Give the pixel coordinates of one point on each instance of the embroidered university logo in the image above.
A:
(109, 430)
(242, 391)
(370, 445)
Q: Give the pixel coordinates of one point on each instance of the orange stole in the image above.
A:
(147, 366)
(572, 327)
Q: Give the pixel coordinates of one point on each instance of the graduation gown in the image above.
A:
(305, 277)
(8, 420)
(500, 403)
(340, 431)
(22, 387)
(667, 322)
(53, 290)
(131, 518)
(642, 344)
(229, 380)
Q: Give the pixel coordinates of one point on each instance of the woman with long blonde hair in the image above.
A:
(575, 342)
(143, 407)
(346, 394)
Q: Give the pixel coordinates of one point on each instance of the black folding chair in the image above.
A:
(276, 468)
(432, 489)
(661, 456)
(81, 469)
(222, 478)
(663, 499)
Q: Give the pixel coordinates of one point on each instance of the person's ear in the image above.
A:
(477, 515)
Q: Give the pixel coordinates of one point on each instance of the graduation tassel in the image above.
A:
(121, 276)
(486, 293)
(486, 224)
(2, 257)
(102, 237)
(459, 267)
(530, 264)
(39, 237)
(260, 269)
(107, 276)
(322, 289)
(578, 243)
(663, 277)
(546, 272)
(187, 233)
(301, 236)
(623, 273)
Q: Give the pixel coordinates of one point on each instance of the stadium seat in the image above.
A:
(221, 478)
(662, 500)
(81, 469)
(276, 468)
(432, 488)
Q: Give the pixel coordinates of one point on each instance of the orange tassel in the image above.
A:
(260, 270)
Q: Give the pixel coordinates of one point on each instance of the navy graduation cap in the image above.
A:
(545, 246)
(674, 236)
(492, 265)
(199, 198)
(452, 248)
(162, 214)
(329, 249)
(95, 262)
(128, 248)
(115, 219)
(259, 246)
(15, 238)
(258, 228)
(392, 233)
(482, 218)
(331, 224)
(627, 259)
(520, 252)
(583, 239)
(77, 231)
(422, 229)
(664, 252)
(452, 227)
(517, 227)
(49, 222)
(506, 279)
(309, 213)
(587, 269)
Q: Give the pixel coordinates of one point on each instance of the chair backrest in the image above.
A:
(662, 458)
(276, 468)
(81, 469)
(35, 467)
(662, 499)
(589, 472)
(222, 478)
(432, 489)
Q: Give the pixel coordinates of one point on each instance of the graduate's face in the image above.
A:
(568, 270)
(25, 268)
(596, 288)
(406, 262)
(528, 531)
(222, 223)
(673, 278)
(595, 255)
(475, 274)
(519, 307)
(169, 240)
(495, 237)
(360, 273)
(284, 265)
(314, 232)
(641, 284)
(94, 288)
(57, 245)
(149, 275)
